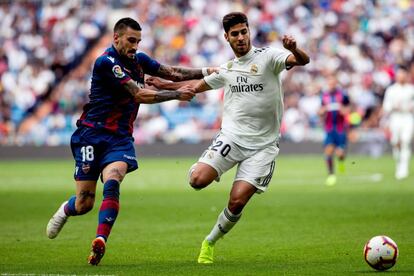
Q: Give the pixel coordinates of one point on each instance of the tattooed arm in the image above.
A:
(169, 85)
(176, 73)
(142, 95)
(198, 85)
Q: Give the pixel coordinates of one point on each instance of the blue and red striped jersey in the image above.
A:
(110, 106)
(333, 100)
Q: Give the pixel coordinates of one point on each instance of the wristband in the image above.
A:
(204, 71)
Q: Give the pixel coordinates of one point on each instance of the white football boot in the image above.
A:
(56, 222)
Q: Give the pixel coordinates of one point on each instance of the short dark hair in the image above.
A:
(234, 18)
(125, 22)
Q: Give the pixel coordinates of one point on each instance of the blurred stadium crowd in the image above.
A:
(48, 49)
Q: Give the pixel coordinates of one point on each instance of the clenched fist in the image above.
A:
(289, 42)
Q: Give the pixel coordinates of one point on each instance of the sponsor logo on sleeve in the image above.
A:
(118, 71)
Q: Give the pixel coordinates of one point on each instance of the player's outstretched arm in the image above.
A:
(142, 95)
(298, 57)
(169, 85)
(201, 86)
(176, 73)
(198, 85)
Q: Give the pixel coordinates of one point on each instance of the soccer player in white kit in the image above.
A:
(253, 108)
(398, 105)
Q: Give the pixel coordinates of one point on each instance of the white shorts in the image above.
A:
(255, 166)
(401, 128)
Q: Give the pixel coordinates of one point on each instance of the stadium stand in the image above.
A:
(48, 48)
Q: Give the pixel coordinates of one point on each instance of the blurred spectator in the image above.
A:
(41, 42)
(45, 42)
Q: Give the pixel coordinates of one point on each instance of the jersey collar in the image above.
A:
(246, 56)
(115, 52)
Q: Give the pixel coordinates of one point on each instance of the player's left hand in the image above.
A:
(289, 42)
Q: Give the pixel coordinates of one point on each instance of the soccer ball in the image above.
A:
(381, 252)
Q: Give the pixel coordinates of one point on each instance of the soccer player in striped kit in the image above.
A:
(334, 109)
(249, 136)
(102, 145)
(398, 106)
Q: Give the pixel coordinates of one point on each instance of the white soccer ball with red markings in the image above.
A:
(381, 252)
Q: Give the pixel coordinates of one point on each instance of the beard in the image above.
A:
(130, 54)
(241, 51)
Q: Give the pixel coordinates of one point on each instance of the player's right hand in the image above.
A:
(289, 42)
(187, 92)
(212, 70)
(154, 81)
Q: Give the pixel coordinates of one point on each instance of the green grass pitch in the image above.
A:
(298, 227)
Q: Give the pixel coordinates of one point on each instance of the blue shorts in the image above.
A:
(93, 149)
(338, 139)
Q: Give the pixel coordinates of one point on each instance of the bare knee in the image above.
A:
(115, 171)
(115, 174)
(201, 175)
(198, 180)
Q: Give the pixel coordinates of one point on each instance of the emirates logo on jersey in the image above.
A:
(243, 85)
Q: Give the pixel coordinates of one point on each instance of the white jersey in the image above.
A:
(253, 97)
(399, 101)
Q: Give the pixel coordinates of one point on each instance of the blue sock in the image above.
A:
(70, 208)
(109, 208)
(329, 164)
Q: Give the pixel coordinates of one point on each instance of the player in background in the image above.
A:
(102, 145)
(398, 106)
(249, 136)
(334, 109)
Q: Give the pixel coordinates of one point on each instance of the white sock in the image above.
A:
(396, 153)
(225, 221)
(405, 155)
